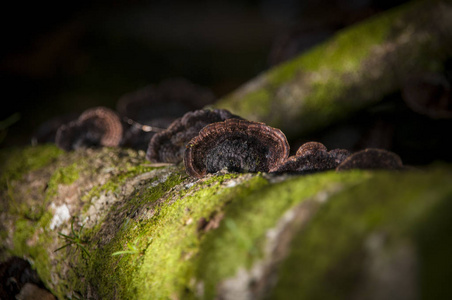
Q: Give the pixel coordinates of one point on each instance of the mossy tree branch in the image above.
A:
(155, 233)
(356, 68)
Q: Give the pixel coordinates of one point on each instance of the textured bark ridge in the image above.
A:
(108, 224)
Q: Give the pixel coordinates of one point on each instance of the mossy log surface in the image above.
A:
(357, 68)
(134, 230)
(355, 234)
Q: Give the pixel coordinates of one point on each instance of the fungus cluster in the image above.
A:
(207, 141)
(312, 157)
(46, 132)
(169, 145)
(238, 145)
(153, 108)
(138, 116)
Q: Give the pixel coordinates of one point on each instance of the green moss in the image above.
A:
(119, 283)
(30, 241)
(392, 203)
(317, 108)
(30, 238)
(167, 241)
(114, 183)
(344, 53)
(255, 105)
(172, 250)
(14, 162)
(239, 240)
(23, 231)
(64, 175)
(432, 237)
(22, 161)
(176, 241)
(45, 219)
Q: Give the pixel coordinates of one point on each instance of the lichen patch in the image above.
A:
(61, 215)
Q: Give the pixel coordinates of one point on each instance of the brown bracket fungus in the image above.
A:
(235, 145)
(371, 159)
(312, 157)
(310, 148)
(169, 145)
(429, 94)
(339, 155)
(157, 107)
(95, 127)
(163, 103)
(46, 132)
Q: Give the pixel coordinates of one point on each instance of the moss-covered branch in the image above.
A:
(356, 68)
(321, 236)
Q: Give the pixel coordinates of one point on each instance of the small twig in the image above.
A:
(145, 128)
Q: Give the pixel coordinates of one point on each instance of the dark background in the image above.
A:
(67, 56)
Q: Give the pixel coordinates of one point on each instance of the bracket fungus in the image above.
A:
(339, 155)
(46, 132)
(429, 94)
(235, 145)
(310, 148)
(371, 159)
(161, 104)
(312, 157)
(169, 145)
(95, 127)
(154, 107)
